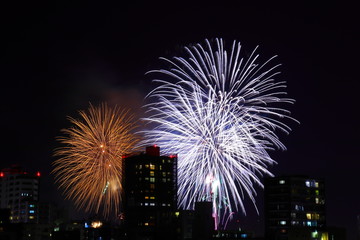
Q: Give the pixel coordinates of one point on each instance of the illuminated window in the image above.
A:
(31, 217)
(152, 173)
(152, 167)
(146, 179)
(152, 197)
(146, 197)
(316, 184)
(31, 205)
(152, 204)
(308, 216)
(307, 183)
(147, 165)
(31, 211)
(140, 166)
(317, 192)
(160, 167)
(152, 179)
(146, 204)
(282, 182)
(146, 224)
(164, 174)
(282, 222)
(317, 200)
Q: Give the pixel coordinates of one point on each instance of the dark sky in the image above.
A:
(57, 58)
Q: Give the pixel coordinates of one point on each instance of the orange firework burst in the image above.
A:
(89, 169)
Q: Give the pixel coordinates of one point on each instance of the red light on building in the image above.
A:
(173, 156)
(2, 174)
(38, 174)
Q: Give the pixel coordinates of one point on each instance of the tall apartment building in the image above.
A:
(294, 208)
(19, 192)
(150, 200)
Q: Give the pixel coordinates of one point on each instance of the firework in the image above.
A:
(218, 112)
(89, 169)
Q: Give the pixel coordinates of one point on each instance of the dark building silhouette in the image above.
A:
(150, 200)
(203, 227)
(294, 208)
(19, 192)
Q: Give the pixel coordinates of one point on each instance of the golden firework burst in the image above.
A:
(89, 167)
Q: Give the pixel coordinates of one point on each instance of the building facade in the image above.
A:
(19, 192)
(294, 207)
(150, 194)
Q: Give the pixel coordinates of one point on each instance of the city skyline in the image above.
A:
(60, 58)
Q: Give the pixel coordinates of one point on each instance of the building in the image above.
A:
(294, 208)
(150, 200)
(203, 225)
(19, 192)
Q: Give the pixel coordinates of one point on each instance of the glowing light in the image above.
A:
(96, 224)
(38, 174)
(219, 113)
(89, 169)
(2, 174)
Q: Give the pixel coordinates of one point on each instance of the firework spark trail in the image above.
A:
(89, 169)
(219, 113)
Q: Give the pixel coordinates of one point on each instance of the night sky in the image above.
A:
(58, 57)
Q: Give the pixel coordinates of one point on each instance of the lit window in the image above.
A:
(140, 166)
(152, 179)
(282, 222)
(152, 167)
(146, 204)
(307, 183)
(152, 204)
(308, 223)
(317, 200)
(160, 167)
(31, 217)
(146, 197)
(31, 211)
(316, 184)
(308, 216)
(147, 165)
(152, 173)
(146, 224)
(31, 205)
(282, 182)
(317, 192)
(152, 197)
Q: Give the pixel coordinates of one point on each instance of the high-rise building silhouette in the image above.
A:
(19, 192)
(294, 206)
(150, 195)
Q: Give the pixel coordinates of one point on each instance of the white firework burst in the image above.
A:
(219, 113)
